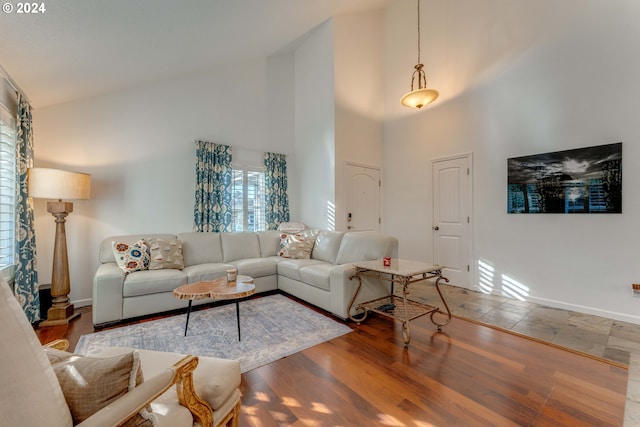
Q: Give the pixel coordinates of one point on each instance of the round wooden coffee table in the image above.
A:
(216, 289)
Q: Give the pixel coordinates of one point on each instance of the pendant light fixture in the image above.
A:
(421, 96)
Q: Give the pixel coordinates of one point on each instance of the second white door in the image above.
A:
(452, 218)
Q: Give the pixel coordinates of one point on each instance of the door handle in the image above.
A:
(435, 228)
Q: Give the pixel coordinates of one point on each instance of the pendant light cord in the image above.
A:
(418, 31)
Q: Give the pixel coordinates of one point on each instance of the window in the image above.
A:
(247, 199)
(7, 191)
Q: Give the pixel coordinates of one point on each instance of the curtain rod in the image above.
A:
(12, 83)
(195, 141)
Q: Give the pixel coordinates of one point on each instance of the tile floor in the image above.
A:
(608, 339)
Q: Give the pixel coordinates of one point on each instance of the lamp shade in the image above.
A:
(44, 183)
(419, 98)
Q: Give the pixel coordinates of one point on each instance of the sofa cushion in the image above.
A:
(201, 248)
(327, 246)
(317, 275)
(106, 248)
(296, 246)
(152, 282)
(291, 267)
(269, 243)
(241, 245)
(165, 253)
(208, 271)
(91, 383)
(365, 246)
(131, 257)
(257, 267)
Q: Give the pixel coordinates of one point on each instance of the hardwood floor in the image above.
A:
(467, 375)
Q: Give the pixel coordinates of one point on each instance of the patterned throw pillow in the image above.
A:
(296, 246)
(91, 383)
(166, 253)
(131, 258)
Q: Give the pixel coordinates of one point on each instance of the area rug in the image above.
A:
(272, 327)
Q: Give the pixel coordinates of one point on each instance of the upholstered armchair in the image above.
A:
(43, 386)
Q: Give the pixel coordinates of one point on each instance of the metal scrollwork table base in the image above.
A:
(404, 273)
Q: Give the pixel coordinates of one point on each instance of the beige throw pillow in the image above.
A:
(91, 383)
(166, 253)
(296, 246)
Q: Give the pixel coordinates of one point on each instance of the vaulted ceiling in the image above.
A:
(80, 48)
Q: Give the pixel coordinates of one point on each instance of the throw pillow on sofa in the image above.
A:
(166, 253)
(291, 227)
(296, 246)
(91, 383)
(131, 258)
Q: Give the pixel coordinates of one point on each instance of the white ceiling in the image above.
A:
(81, 48)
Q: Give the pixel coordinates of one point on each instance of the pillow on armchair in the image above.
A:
(91, 383)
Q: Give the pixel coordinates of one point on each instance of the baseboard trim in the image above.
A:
(572, 307)
(82, 302)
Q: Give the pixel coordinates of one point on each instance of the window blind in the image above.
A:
(7, 190)
(248, 199)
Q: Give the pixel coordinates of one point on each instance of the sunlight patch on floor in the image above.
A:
(291, 402)
(311, 423)
(388, 420)
(320, 407)
(263, 397)
(279, 416)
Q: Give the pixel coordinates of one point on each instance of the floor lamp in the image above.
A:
(59, 184)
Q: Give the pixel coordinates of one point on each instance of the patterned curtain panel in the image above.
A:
(212, 211)
(26, 277)
(275, 184)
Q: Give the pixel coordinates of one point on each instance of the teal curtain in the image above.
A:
(26, 276)
(212, 211)
(275, 184)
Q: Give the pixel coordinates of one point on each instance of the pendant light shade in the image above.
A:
(417, 98)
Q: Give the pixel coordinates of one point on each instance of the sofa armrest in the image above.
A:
(107, 293)
(132, 402)
(343, 286)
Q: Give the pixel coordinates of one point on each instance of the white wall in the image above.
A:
(138, 146)
(519, 78)
(359, 98)
(338, 111)
(315, 126)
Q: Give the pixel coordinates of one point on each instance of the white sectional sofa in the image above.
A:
(322, 280)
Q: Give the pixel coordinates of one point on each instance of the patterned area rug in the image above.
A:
(272, 327)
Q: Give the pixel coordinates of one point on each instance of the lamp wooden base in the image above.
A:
(62, 311)
(60, 316)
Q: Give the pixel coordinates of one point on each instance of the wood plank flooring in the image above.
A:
(466, 375)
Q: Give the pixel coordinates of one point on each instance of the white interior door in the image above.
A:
(363, 198)
(452, 218)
